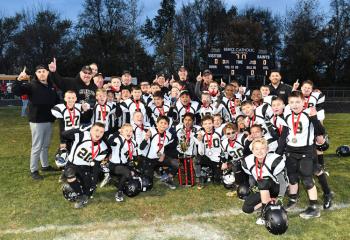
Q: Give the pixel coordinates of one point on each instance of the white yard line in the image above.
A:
(176, 220)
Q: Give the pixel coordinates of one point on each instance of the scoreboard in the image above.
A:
(239, 61)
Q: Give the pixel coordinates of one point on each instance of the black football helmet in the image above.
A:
(68, 193)
(132, 187)
(343, 151)
(243, 191)
(276, 219)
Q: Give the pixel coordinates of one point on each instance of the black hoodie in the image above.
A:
(41, 99)
(84, 92)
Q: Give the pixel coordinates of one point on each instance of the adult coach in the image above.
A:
(82, 84)
(42, 97)
(279, 88)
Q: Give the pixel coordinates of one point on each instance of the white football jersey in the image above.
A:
(70, 118)
(122, 150)
(101, 113)
(156, 143)
(187, 136)
(210, 146)
(273, 165)
(83, 149)
(233, 149)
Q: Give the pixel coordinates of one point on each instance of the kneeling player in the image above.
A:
(267, 170)
(123, 150)
(87, 149)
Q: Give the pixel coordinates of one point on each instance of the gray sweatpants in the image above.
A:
(41, 138)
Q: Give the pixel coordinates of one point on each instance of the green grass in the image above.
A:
(26, 204)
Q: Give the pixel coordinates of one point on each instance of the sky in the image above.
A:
(71, 8)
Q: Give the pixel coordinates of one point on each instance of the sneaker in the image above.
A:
(260, 221)
(170, 183)
(81, 201)
(49, 169)
(105, 180)
(327, 200)
(310, 212)
(164, 177)
(291, 203)
(36, 176)
(119, 196)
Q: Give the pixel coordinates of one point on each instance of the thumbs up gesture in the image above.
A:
(52, 65)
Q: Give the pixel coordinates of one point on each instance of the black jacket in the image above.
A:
(41, 99)
(283, 91)
(84, 92)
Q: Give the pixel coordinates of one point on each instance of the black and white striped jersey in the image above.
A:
(160, 111)
(258, 119)
(101, 113)
(180, 110)
(139, 135)
(71, 119)
(122, 150)
(232, 110)
(129, 107)
(265, 111)
(317, 100)
(271, 167)
(84, 151)
(154, 146)
(233, 149)
(210, 146)
(187, 138)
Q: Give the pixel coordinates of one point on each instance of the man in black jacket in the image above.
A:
(279, 88)
(42, 97)
(82, 84)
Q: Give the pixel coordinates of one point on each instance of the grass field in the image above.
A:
(37, 210)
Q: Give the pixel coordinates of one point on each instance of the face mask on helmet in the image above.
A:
(343, 151)
(147, 184)
(61, 158)
(228, 179)
(68, 193)
(276, 219)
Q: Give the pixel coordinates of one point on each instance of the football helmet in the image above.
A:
(276, 219)
(132, 187)
(68, 193)
(343, 151)
(228, 179)
(147, 184)
(243, 191)
(61, 157)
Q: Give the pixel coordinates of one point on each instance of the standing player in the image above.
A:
(185, 105)
(158, 107)
(154, 146)
(87, 149)
(209, 148)
(303, 126)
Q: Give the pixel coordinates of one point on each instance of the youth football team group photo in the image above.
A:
(264, 145)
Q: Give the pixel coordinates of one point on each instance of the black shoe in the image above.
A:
(327, 200)
(36, 176)
(49, 169)
(292, 202)
(310, 212)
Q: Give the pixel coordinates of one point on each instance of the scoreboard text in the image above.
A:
(239, 61)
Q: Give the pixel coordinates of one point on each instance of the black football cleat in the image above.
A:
(328, 200)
